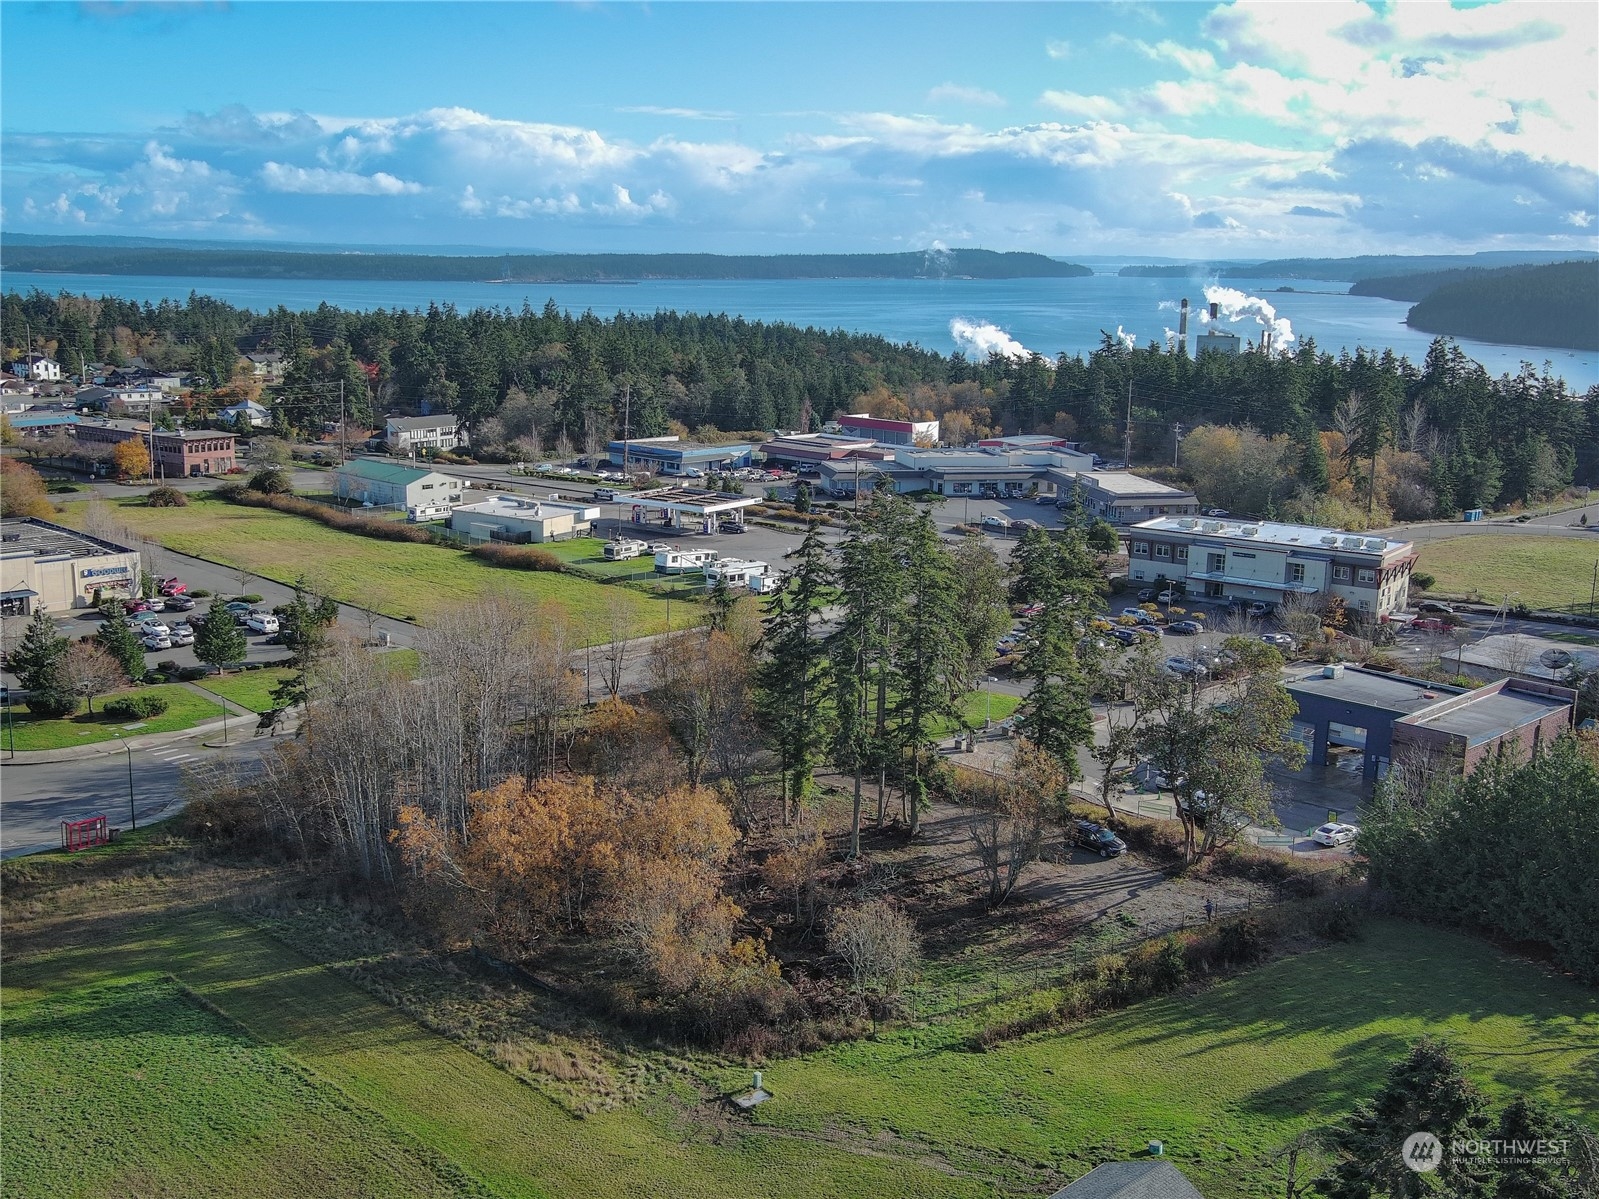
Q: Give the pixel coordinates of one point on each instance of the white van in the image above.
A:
(605, 494)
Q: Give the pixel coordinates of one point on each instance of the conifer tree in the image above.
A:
(122, 643)
(219, 640)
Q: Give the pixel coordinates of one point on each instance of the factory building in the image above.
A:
(521, 521)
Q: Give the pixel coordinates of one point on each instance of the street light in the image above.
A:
(133, 819)
(988, 719)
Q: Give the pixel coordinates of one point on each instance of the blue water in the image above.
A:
(1047, 315)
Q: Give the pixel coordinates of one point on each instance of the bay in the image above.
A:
(1050, 316)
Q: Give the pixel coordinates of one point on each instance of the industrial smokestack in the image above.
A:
(1265, 341)
(1182, 321)
(1214, 309)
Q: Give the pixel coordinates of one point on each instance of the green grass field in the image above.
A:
(399, 579)
(185, 709)
(98, 1038)
(249, 689)
(977, 707)
(1541, 572)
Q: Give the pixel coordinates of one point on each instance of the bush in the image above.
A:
(190, 674)
(166, 497)
(248, 599)
(1421, 580)
(200, 593)
(135, 707)
(52, 705)
(272, 481)
(518, 557)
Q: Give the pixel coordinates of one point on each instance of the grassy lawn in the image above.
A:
(978, 707)
(1541, 572)
(249, 689)
(399, 579)
(185, 709)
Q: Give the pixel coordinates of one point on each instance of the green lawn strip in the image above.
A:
(500, 1131)
(136, 1088)
(1223, 1077)
(185, 709)
(399, 579)
(977, 707)
(1541, 572)
(249, 688)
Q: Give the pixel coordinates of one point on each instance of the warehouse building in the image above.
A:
(391, 485)
(797, 450)
(46, 568)
(1264, 561)
(672, 456)
(1122, 498)
(520, 520)
(1377, 719)
(887, 432)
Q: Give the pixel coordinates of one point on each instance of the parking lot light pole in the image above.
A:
(133, 819)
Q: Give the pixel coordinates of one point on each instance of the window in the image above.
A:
(1367, 575)
(1341, 574)
(1162, 550)
(1141, 549)
(1296, 572)
(1182, 553)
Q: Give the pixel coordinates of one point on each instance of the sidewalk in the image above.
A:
(115, 745)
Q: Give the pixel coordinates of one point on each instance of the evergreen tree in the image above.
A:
(37, 659)
(1059, 573)
(794, 679)
(219, 640)
(1525, 1173)
(123, 644)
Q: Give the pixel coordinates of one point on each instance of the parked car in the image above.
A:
(1217, 512)
(1185, 628)
(1125, 635)
(994, 522)
(1335, 834)
(138, 605)
(729, 527)
(1043, 499)
(261, 622)
(1168, 597)
(1436, 607)
(156, 639)
(236, 606)
(146, 622)
(181, 635)
(1096, 838)
(1283, 641)
(1147, 630)
(1144, 597)
(1429, 624)
(172, 586)
(1258, 609)
(179, 603)
(1134, 613)
(1186, 667)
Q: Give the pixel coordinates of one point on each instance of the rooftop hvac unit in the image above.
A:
(1188, 522)
(1334, 671)
(1249, 531)
(1211, 526)
(1375, 543)
(1330, 539)
(1353, 543)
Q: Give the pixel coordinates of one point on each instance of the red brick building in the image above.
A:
(174, 453)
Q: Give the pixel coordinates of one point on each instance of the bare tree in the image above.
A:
(1009, 836)
(879, 946)
(1137, 679)
(1515, 654)
(1300, 613)
(91, 670)
(701, 687)
(551, 692)
(618, 645)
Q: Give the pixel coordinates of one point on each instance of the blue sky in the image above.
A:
(1189, 130)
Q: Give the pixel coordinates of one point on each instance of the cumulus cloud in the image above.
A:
(319, 181)
(981, 340)
(1075, 104)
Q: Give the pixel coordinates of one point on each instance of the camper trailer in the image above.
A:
(418, 513)
(618, 551)
(734, 572)
(675, 561)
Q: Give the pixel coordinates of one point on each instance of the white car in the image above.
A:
(1167, 597)
(146, 625)
(155, 641)
(262, 622)
(1335, 834)
(995, 522)
(181, 635)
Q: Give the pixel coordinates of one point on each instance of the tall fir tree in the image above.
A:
(219, 640)
(123, 644)
(37, 659)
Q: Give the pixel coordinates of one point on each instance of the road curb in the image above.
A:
(95, 749)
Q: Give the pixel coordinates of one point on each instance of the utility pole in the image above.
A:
(627, 421)
(1176, 440)
(1127, 431)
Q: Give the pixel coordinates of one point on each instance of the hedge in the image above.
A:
(135, 707)
(518, 557)
(334, 518)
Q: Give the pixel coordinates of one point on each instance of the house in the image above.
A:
(408, 434)
(259, 415)
(129, 397)
(1373, 719)
(174, 453)
(41, 369)
(1266, 561)
(266, 366)
(170, 382)
(1148, 1179)
(521, 520)
(393, 485)
(1122, 498)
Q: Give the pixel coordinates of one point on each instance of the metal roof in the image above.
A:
(385, 472)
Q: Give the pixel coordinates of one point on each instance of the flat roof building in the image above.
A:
(1123, 498)
(174, 453)
(394, 485)
(889, 432)
(1264, 561)
(47, 568)
(983, 470)
(520, 520)
(804, 449)
(1391, 718)
(671, 456)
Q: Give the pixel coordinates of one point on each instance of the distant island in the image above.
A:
(1353, 270)
(1555, 305)
(210, 262)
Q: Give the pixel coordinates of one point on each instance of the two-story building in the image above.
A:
(408, 434)
(1264, 561)
(41, 369)
(174, 453)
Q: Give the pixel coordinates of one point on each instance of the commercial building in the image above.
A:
(40, 423)
(391, 485)
(520, 520)
(1126, 499)
(1381, 719)
(1265, 561)
(174, 453)
(683, 508)
(46, 568)
(671, 456)
(983, 470)
(887, 432)
(408, 434)
(796, 450)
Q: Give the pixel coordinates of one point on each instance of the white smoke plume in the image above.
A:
(937, 260)
(981, 340)
(1167, 306)
(1127, 339)
(1234, 305)
(1171, 338)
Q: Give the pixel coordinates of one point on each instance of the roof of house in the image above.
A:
(1131, 1180)
(384, 472)
(445, 421)
(247, 405)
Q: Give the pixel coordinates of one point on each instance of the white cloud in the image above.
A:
(1579, 218)
(319, 181)
(691, 114)
(1075, 104)
(955, 93)
(1059, 48)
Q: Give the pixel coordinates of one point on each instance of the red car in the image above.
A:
(1428, 624)
(138, 605)
(173, 586)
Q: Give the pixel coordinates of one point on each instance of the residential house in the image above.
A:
(266, 366)
(408, 434)
(42, 369)
(1151, 1178)
(259, 415)
(393, 485)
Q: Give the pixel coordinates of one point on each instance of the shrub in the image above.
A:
(1241, 942)
(518, 557)
(1421, 580)
(190, 674)
(166, 497)
(271, 481)
(135, 707)
(52, 705)
(200, 593)
(364, 526)
(248, 599)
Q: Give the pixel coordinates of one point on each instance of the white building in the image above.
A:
(258, 415)
(42, 369)
(1265, 561)
(389, 484)
(407, 434)
(46, 568)
(522, 520)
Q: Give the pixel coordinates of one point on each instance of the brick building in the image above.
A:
(174, 453)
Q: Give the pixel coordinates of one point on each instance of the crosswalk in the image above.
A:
(171, 755)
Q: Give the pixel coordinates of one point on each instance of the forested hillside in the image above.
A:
(1554, 305)
(260, 264)
(1345, 439)
(1388, 267)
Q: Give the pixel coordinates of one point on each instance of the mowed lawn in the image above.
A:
(1541, 572)
(1223, 1076)
(248, 688)
(185, 709)
(399, 579)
